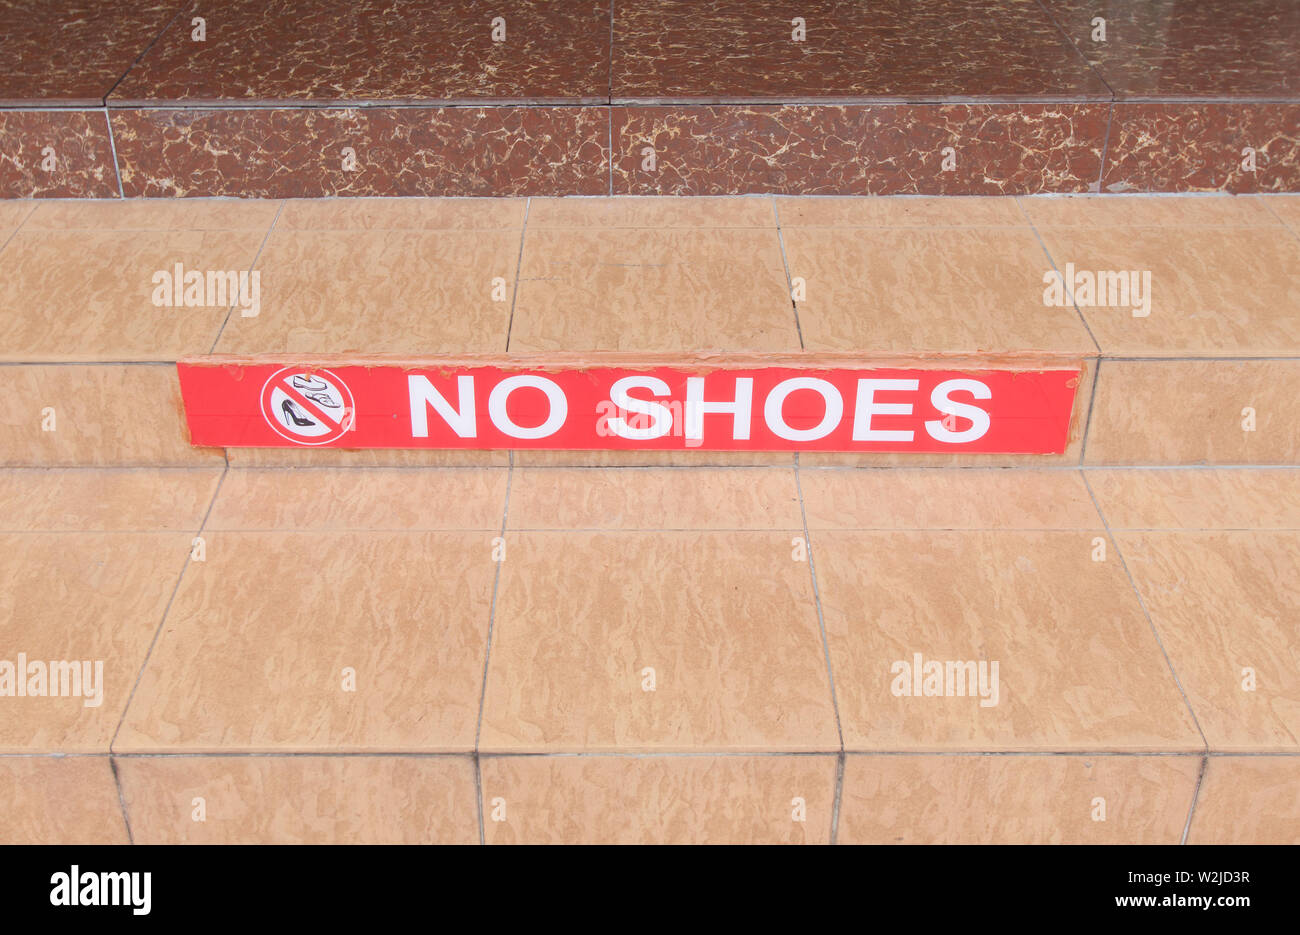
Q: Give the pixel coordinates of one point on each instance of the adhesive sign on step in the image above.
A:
(710, 408)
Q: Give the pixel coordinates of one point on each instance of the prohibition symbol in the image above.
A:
(308, 407)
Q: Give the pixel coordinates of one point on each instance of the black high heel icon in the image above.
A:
(290, 411)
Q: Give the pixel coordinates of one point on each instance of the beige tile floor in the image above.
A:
(498, 626)
(478, 646)
(917, 279)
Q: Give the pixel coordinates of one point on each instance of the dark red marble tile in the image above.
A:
(73, 51)
(1198, 147)
(743, 51)
(1189, 48)
(358, 51)
(75, 140)
(283, 153)
(859, 149)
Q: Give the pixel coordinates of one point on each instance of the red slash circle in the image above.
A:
(308, 407)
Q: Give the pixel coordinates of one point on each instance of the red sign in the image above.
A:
(713, 408)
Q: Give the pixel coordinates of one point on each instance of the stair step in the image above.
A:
(1199, 365)
(663, 97)
(782, 618)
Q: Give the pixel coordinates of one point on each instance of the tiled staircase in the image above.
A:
(420, 645)
(310, 98)
(673, 644)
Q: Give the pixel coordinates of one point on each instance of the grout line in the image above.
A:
(519, 266)
(650, 755)
(789, 283)
(609, 99)
(817, 601)
(487, 656)
(1142, 603)
(839, 797)
(1196, 795)
(121, 799)
(1092, 405)
(166, 610)
(1051, 259)
(478, 793)
(611, 153)
(1269, 208)
(14, 232)
(117, 165)
(1105, 147)
(251, 268)
(614, 531)
(145, 51)
(1047, 360)
(1078, 51)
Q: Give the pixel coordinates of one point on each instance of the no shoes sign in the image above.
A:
(708, 406)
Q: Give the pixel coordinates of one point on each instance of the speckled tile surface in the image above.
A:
(56, 154)
(313, 153)
(896, 49)
(373, 51)
(1167, 48)
(858, 149)
(73, 51)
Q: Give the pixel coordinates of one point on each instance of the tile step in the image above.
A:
(770, 654)
(988, 97)
(1198, 364)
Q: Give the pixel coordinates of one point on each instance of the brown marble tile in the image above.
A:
(858, 149)
(1167, 48)
(1226, 498)
(654, 498)
(658, 800)
(1225, 604)
(64, 800)
(727, 622)
(98, 415)
(299, 153)
(81, 598)
(682, 290)
(260, 638)
(372, 51)
(928, 499)
(105, 499)
(359, 498)
(1195, 412)
(74, 51)
(1248, 800)
(300, 800)
(1016, 799)
(1078, 666)
(56, 154)
(675, 50)
(1173, 146)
